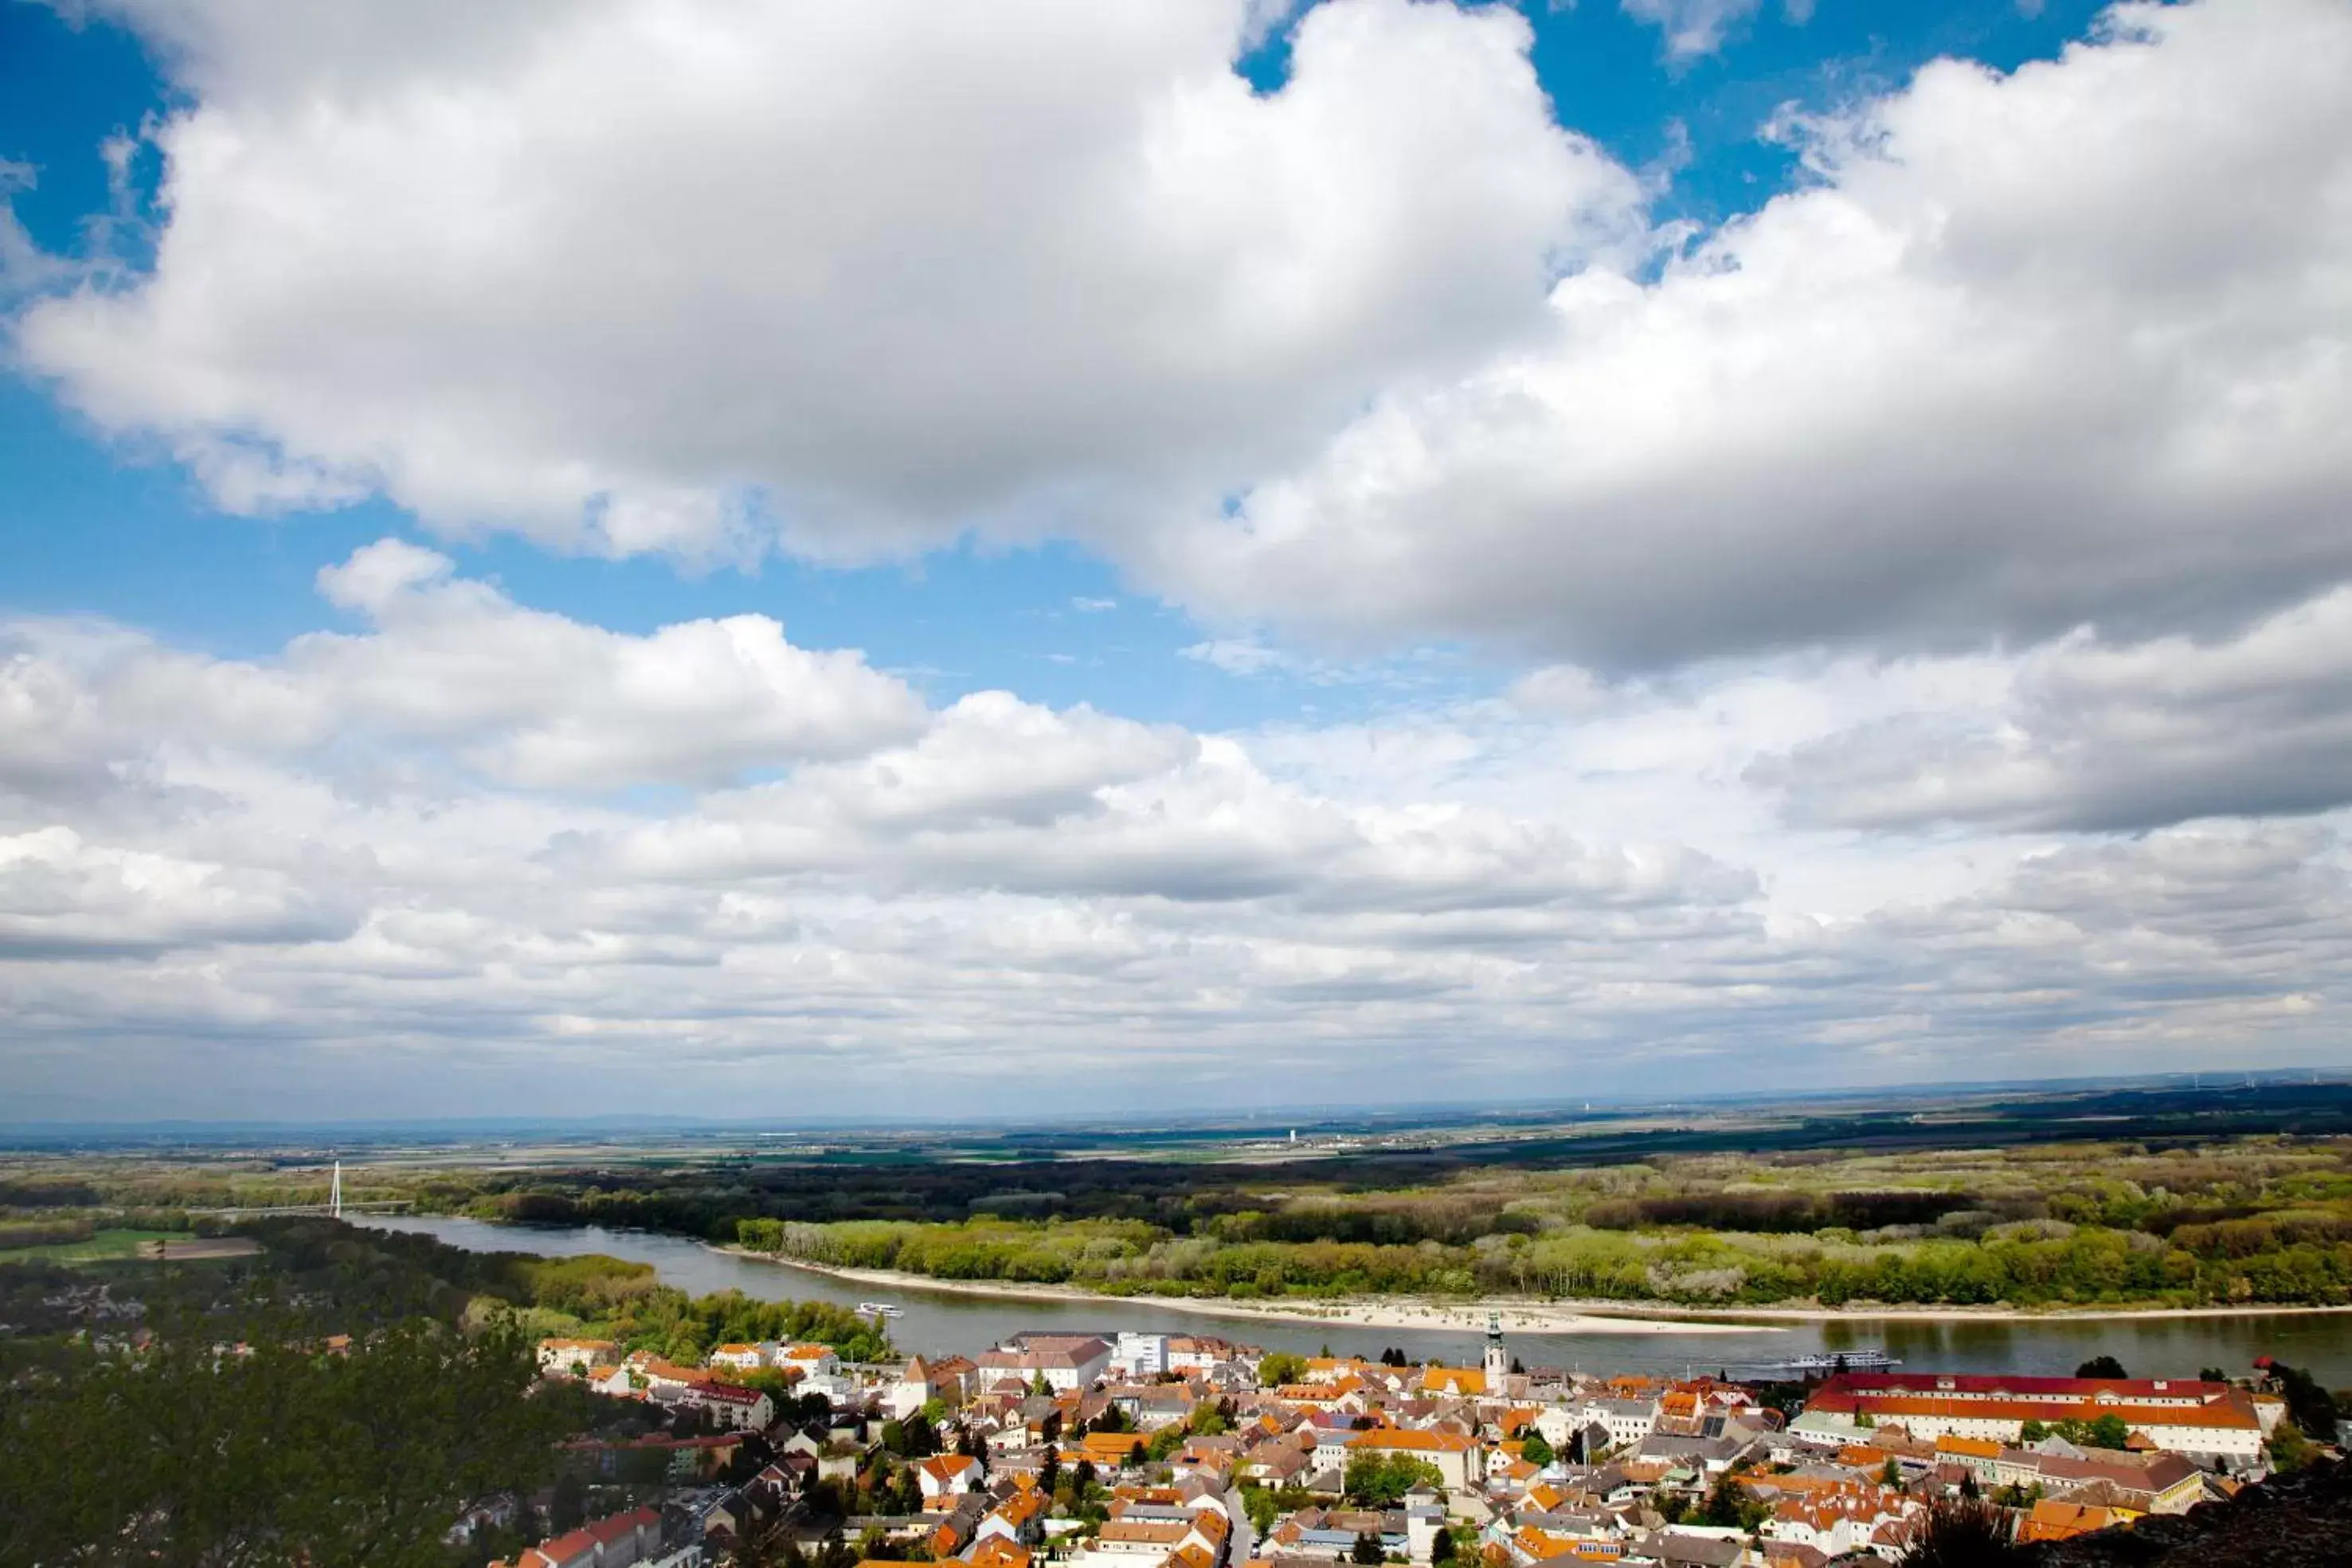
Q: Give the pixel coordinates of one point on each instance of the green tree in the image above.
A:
(1367, 1549)
(1441, 1547)
(1535, 1450)
(1281, 1368)
(2102, 1366)
(1728, 1505)
(2108, 1432)
(2310, 1407)
(567, 1509)
(1380, 1480)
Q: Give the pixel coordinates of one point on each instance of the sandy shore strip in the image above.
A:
(1519, 1316)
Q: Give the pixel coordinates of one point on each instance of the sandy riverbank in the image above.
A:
(1520, 1316)
(1401, 1313)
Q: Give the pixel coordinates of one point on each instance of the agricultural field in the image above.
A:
(98, 1246)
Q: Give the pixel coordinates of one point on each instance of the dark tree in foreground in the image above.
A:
(1367, 1549)
(1962, 1532)
(250, 1444)
(2310, 1407)
(2102, 1366)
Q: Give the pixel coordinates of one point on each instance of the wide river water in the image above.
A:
(941, 1320)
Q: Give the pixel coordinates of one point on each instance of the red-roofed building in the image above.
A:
(741, 1409)
(619, 1541)
(2185, 1417)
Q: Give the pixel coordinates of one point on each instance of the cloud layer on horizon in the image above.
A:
(367, 847)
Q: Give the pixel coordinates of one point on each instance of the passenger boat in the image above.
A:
(879, 1309)
(1842, 1361)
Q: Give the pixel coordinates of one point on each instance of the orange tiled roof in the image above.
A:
(1395, 1439)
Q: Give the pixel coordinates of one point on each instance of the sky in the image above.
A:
(868, 558)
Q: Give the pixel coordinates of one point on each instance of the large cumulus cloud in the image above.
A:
(672, 275)
(1384, 355)
(2070, 344)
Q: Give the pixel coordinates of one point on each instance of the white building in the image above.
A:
(738, 1409)
(1066, 1361)
(576, 1355)
(1139, 1355)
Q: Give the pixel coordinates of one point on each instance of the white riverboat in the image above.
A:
(1838, 1361)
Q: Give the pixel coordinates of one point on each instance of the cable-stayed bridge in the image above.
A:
(333, 1209)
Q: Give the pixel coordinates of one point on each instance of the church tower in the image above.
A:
(1499, 1360)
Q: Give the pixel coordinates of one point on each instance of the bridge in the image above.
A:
(333, 1209)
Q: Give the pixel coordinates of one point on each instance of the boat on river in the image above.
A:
(880, 1310)
(1837, 1361)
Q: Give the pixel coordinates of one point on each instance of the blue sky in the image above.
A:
(1081, 565)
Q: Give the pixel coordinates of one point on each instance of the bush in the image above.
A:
(1963, 1532)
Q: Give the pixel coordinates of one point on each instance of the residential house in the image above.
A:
(946, 1475)
(622, 1541)
(1459, 1458)
(1066, 1361)
(738, 1409)
(576, 1356)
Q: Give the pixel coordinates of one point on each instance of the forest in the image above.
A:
(379, 1380)
(2246, 1221)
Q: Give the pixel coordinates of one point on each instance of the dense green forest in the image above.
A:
(2250, 1221)
(592, 1295)
(330, 1401)
(279, 1452)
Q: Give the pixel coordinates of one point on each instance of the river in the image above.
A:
(944, 1321)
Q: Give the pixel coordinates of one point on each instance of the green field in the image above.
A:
(104, 1246)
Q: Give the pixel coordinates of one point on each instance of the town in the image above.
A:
(1152, 1450)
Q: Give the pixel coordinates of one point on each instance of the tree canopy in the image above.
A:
(252, 1443)
(1380, 1480)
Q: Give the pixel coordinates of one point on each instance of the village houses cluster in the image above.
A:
(1151, 1450)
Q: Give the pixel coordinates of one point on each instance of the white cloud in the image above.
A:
(1241, 656)
(1696, 26)
(860, 274)
(2072, 344)
(528, 697)
(62, 896)
(2068, 345)
(2087, 735)
(312, 876)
